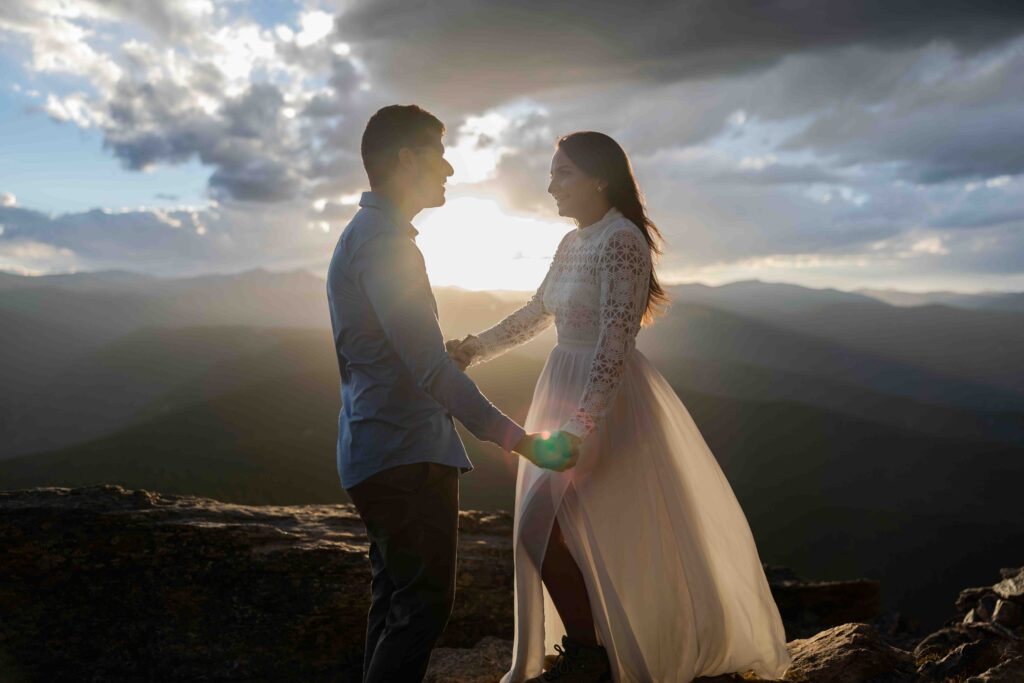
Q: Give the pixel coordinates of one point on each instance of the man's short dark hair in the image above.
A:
(391, 129)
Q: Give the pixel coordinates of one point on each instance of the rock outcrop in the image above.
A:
(106, 584)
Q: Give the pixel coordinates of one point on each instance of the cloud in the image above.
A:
(8, 199)
(166, 241)
(26, 257)
(766, 133)
(258, 180)
(166, 83)
(963, 119)
(543, 45)
(997, 201)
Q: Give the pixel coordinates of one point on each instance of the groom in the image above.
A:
(399, 456)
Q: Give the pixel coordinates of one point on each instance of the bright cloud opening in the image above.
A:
(476, 152)
(473, 244)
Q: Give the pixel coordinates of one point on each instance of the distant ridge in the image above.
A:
(104, 279)
(992, 301)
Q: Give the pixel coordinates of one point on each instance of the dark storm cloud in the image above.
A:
(669, 74)
(981, 219)
(492, 48)
(933, 146)
(996, 202)
(860, 101)
(852, 116)
(949, 124)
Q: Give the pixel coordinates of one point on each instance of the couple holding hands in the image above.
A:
(633, 559)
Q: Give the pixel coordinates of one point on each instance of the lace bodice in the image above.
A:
(595, 292)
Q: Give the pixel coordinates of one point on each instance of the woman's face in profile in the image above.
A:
(573, 190)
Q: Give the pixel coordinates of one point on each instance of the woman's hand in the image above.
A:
(557, 451)
(463, 352)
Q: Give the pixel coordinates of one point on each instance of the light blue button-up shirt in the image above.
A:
(399, 387)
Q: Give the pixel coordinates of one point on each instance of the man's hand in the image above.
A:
(462, 352)
(556, 451)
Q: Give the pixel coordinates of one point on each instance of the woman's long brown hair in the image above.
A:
(600, 156)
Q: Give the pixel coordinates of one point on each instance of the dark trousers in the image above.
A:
(411, 513)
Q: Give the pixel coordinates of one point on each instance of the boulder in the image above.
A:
(964, 650)
(850, 653)
(965, 660)
(1009, 671)
(1012, 585)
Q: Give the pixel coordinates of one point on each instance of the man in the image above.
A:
(399, 456)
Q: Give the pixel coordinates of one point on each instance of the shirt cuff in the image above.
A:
(508, 433)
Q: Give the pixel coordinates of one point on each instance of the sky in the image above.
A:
(824, 143)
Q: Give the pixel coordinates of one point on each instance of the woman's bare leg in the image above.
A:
(564, 582)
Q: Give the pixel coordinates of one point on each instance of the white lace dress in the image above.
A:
(674, 578)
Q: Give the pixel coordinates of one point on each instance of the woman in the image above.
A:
(640, 558)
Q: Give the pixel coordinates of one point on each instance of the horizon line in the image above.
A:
(675, 283)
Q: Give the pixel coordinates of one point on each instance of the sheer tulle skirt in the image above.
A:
(675, 581)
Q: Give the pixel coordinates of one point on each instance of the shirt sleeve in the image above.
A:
(392, 274)
(624, 271)
(522, 325)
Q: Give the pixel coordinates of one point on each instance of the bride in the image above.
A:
(638, 564)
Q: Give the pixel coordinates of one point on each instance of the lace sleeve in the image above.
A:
(624, 271)
(519, 327)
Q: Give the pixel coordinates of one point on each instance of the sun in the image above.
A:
(473, 244)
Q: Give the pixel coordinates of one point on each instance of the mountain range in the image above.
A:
(862, 438)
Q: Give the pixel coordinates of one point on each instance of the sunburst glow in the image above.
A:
(473, 244)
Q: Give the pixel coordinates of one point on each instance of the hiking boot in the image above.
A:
(577, 663)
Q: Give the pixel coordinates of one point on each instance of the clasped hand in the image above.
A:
(556, 451)
(463, 352)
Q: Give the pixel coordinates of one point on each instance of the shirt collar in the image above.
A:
(375, 200)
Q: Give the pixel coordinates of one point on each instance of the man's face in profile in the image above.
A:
(434, 171)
